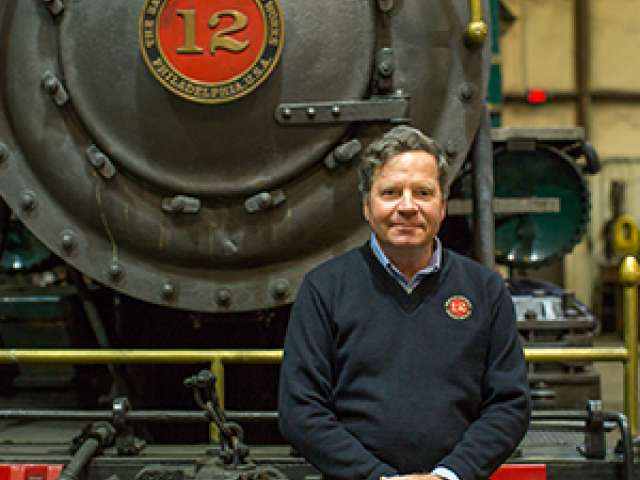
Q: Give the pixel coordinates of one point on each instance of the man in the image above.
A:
(402, 358)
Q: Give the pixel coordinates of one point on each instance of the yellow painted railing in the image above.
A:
(627, 354)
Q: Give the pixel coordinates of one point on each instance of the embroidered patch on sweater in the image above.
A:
(458, 307)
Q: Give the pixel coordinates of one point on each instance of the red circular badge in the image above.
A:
(458, 307)
(211, 52)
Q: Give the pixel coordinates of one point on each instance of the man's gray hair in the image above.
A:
(398, 140)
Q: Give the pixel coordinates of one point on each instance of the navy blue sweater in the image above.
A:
(376, 381)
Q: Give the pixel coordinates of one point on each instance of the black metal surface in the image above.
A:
(95, 147)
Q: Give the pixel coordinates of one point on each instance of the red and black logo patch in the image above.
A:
(458, 307)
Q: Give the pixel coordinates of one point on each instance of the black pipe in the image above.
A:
(483, 186)
(141, 416)
(80, 460)
(96, 437)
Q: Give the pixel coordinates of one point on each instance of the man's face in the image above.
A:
(405, 206)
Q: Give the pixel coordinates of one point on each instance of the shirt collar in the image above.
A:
(408, 285)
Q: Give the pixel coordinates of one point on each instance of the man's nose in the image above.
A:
(407, 202)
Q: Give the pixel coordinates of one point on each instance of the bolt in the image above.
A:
(451, 148)
(280, 288)
(99, 160)
(466, 92)
(168, 291)
(223, 296)
(4, 152)
(286, 112)
(335, 111)
(68, 242)
(311, 112)
(115, 271)
(51, 84)
(28, 201)
(385, 68)
(264, 200)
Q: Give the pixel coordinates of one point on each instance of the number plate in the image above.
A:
(211, 52)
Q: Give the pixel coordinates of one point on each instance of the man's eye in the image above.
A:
(424, 192)
(388, 192)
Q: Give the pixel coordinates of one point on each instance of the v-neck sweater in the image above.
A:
(376, 381)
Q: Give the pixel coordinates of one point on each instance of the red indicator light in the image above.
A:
(536, 96)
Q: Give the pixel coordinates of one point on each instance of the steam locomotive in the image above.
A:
(198, 157)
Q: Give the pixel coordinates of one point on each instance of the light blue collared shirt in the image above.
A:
(408, 285)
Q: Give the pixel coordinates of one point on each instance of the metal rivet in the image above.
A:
(28, 201)
(311, 112)
(280, 288)
(286, 112)
(264, 199)
(335, 111)
(168, 291)
(466, 92)
(68, 241)
(99, 160)
(115, 271)
(51, 84)
(451, 148)
(4, 152)
(223, 296)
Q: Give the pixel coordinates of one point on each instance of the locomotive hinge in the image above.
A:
(343, 153)
(264, 201)
(181, 204)
(54, 87)
(393, 109)
(101, 162)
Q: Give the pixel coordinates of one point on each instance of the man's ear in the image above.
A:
(365, 207)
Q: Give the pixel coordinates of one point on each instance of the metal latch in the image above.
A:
(181, 204)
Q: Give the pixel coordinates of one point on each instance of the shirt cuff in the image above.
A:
(444, 472)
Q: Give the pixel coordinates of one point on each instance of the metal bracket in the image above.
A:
(507, 206)
(181, 204)
(125, 440)
(101, 162)
(343, 154)
(394, 109)
(54, 87)
(595, 445)
(264, 200)
(384, 70)
(56, 7)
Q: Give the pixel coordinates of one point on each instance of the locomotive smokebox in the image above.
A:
(202, 155)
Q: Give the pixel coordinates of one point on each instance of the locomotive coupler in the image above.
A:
(233, 451)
